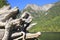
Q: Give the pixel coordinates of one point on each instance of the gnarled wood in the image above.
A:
(28, 35)
(22, 24)
(5, 15)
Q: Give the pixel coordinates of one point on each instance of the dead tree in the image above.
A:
(22, 24)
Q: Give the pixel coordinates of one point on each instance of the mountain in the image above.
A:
(47, 17)
(37, 8)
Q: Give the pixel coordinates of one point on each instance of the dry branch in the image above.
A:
(28, 35)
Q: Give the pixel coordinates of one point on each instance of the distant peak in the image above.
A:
(36, 7)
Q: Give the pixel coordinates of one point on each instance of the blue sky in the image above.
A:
(22, 3)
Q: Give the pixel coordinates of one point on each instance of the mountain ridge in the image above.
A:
(47, 21)
(36, 7)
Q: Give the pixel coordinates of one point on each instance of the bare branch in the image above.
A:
(28, 35)
(30, 26)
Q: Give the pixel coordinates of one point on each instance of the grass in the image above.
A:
(52, 25)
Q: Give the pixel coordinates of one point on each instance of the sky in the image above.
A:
(22, 3)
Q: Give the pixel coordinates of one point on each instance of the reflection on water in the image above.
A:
(50, 36)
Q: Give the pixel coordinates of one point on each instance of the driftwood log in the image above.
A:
(15, 29)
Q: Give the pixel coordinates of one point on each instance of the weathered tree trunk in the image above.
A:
(2, 31)
(8, 21)
(6, 14)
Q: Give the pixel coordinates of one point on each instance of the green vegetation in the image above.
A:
(48, 24)
(3, 2)
(47, 21)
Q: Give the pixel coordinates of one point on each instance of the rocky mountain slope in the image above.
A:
(37, 8)
(47, 16)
